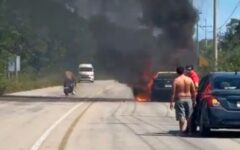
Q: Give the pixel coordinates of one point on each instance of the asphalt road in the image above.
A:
(86, 124)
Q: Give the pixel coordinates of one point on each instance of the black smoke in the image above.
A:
(138, 36)
(175, 18)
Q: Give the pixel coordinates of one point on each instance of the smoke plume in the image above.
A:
(136, 38)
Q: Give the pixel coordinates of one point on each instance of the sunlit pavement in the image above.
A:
(98, 89)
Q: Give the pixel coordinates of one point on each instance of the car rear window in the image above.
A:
(85, 69)
(227, 83)
(166, 76)
(163, 83)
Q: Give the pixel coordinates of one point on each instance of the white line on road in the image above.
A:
(39, 142)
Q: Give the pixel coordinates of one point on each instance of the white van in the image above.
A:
(86, 72)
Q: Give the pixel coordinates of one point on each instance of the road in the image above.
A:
(99, 89)
(107, 119)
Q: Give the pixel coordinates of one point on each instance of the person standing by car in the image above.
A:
(190, 72)
(184, 98)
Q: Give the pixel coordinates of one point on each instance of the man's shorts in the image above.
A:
(183, 108)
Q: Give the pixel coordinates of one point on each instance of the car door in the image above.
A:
(201, 91)
(202, 85)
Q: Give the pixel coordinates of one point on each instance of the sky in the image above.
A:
(224, 12)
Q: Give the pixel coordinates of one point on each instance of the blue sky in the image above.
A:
(224, 10)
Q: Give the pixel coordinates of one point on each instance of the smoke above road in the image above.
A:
(175, 18)
(137, 38)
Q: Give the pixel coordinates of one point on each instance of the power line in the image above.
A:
(230, 16)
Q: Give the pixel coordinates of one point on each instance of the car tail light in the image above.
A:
(212, 101)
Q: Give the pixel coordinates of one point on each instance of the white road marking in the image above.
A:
(44, 136)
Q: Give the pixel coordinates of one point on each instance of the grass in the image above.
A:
(29, 82)
(32, 81)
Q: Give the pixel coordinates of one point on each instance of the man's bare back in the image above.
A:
(183, 86)
(183, 97)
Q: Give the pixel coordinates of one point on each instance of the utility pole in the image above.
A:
(215, 43)
(197, 39)
(205, 28)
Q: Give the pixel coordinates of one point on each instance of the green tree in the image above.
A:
(230, 47)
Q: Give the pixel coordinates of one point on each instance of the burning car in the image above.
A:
(161, 88)
(156, 87)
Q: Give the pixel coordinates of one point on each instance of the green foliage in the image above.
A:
(47, 36)
(3, 84)
(32, 81)
(230, 47)
(42, 40)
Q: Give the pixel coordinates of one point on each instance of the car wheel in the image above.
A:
(203, 129)
(66, 93)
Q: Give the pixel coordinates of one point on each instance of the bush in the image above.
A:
(32, 81)
(2, 85)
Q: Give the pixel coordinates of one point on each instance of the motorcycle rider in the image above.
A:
(69, 81)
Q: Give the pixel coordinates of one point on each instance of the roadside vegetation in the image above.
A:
(28, 82)
(48, 42)
(229, 49)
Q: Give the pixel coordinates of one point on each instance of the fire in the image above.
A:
(142, 89)
(144, 95)
(142, 98)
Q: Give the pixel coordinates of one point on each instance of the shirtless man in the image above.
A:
(183, 97)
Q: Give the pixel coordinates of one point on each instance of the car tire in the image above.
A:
(66, 93)
(203, 129)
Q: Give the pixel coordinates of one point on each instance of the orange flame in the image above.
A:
(143, 94)
(142, 98)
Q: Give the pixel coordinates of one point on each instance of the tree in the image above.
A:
(230, 47)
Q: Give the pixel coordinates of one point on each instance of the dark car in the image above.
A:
(218, 102)
(161, 89)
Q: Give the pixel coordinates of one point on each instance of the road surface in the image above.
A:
(98, 89)
(113, 122)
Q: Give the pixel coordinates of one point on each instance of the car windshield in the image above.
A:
(227, 83)
(86, 69)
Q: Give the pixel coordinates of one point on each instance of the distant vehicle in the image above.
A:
(161, 89)
(218, 102)
(86, 72)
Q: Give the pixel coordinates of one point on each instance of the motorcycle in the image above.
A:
(68, 88)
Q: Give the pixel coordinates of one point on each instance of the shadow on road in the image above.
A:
(213, 134)
(223, 134)
(61, 99)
